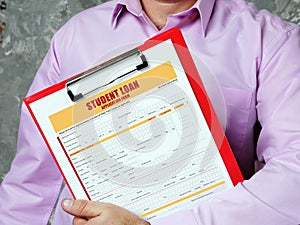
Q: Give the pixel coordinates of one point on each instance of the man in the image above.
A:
(253, 54)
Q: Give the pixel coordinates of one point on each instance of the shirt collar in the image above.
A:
(132, 6)
(204, 7)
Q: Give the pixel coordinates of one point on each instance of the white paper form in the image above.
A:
(142, 143)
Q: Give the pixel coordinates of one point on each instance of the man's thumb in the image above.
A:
(80, 208)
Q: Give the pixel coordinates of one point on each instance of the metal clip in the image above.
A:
(103, 66)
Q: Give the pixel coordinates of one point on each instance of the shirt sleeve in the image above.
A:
(272, 195)
(29, 191)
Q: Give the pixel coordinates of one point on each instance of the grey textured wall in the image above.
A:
(26, 27)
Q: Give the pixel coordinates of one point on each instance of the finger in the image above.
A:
(79, 221)
(82, 208)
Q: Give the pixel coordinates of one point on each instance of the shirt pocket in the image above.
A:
(238, 104)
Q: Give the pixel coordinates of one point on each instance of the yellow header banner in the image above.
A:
(112, 96)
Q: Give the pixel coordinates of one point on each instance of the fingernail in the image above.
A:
(67, 203)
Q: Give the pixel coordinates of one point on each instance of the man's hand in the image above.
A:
(96, 213)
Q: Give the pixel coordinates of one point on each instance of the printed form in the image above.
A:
(142, 143)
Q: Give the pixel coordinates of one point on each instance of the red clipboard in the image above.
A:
(175, 36)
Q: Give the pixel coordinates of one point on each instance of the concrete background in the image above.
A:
(26, 27)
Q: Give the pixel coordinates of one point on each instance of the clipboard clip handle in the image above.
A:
(111, 62)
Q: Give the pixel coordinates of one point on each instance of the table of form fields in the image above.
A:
(144, 154)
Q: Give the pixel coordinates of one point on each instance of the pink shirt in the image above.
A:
(253, 54)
